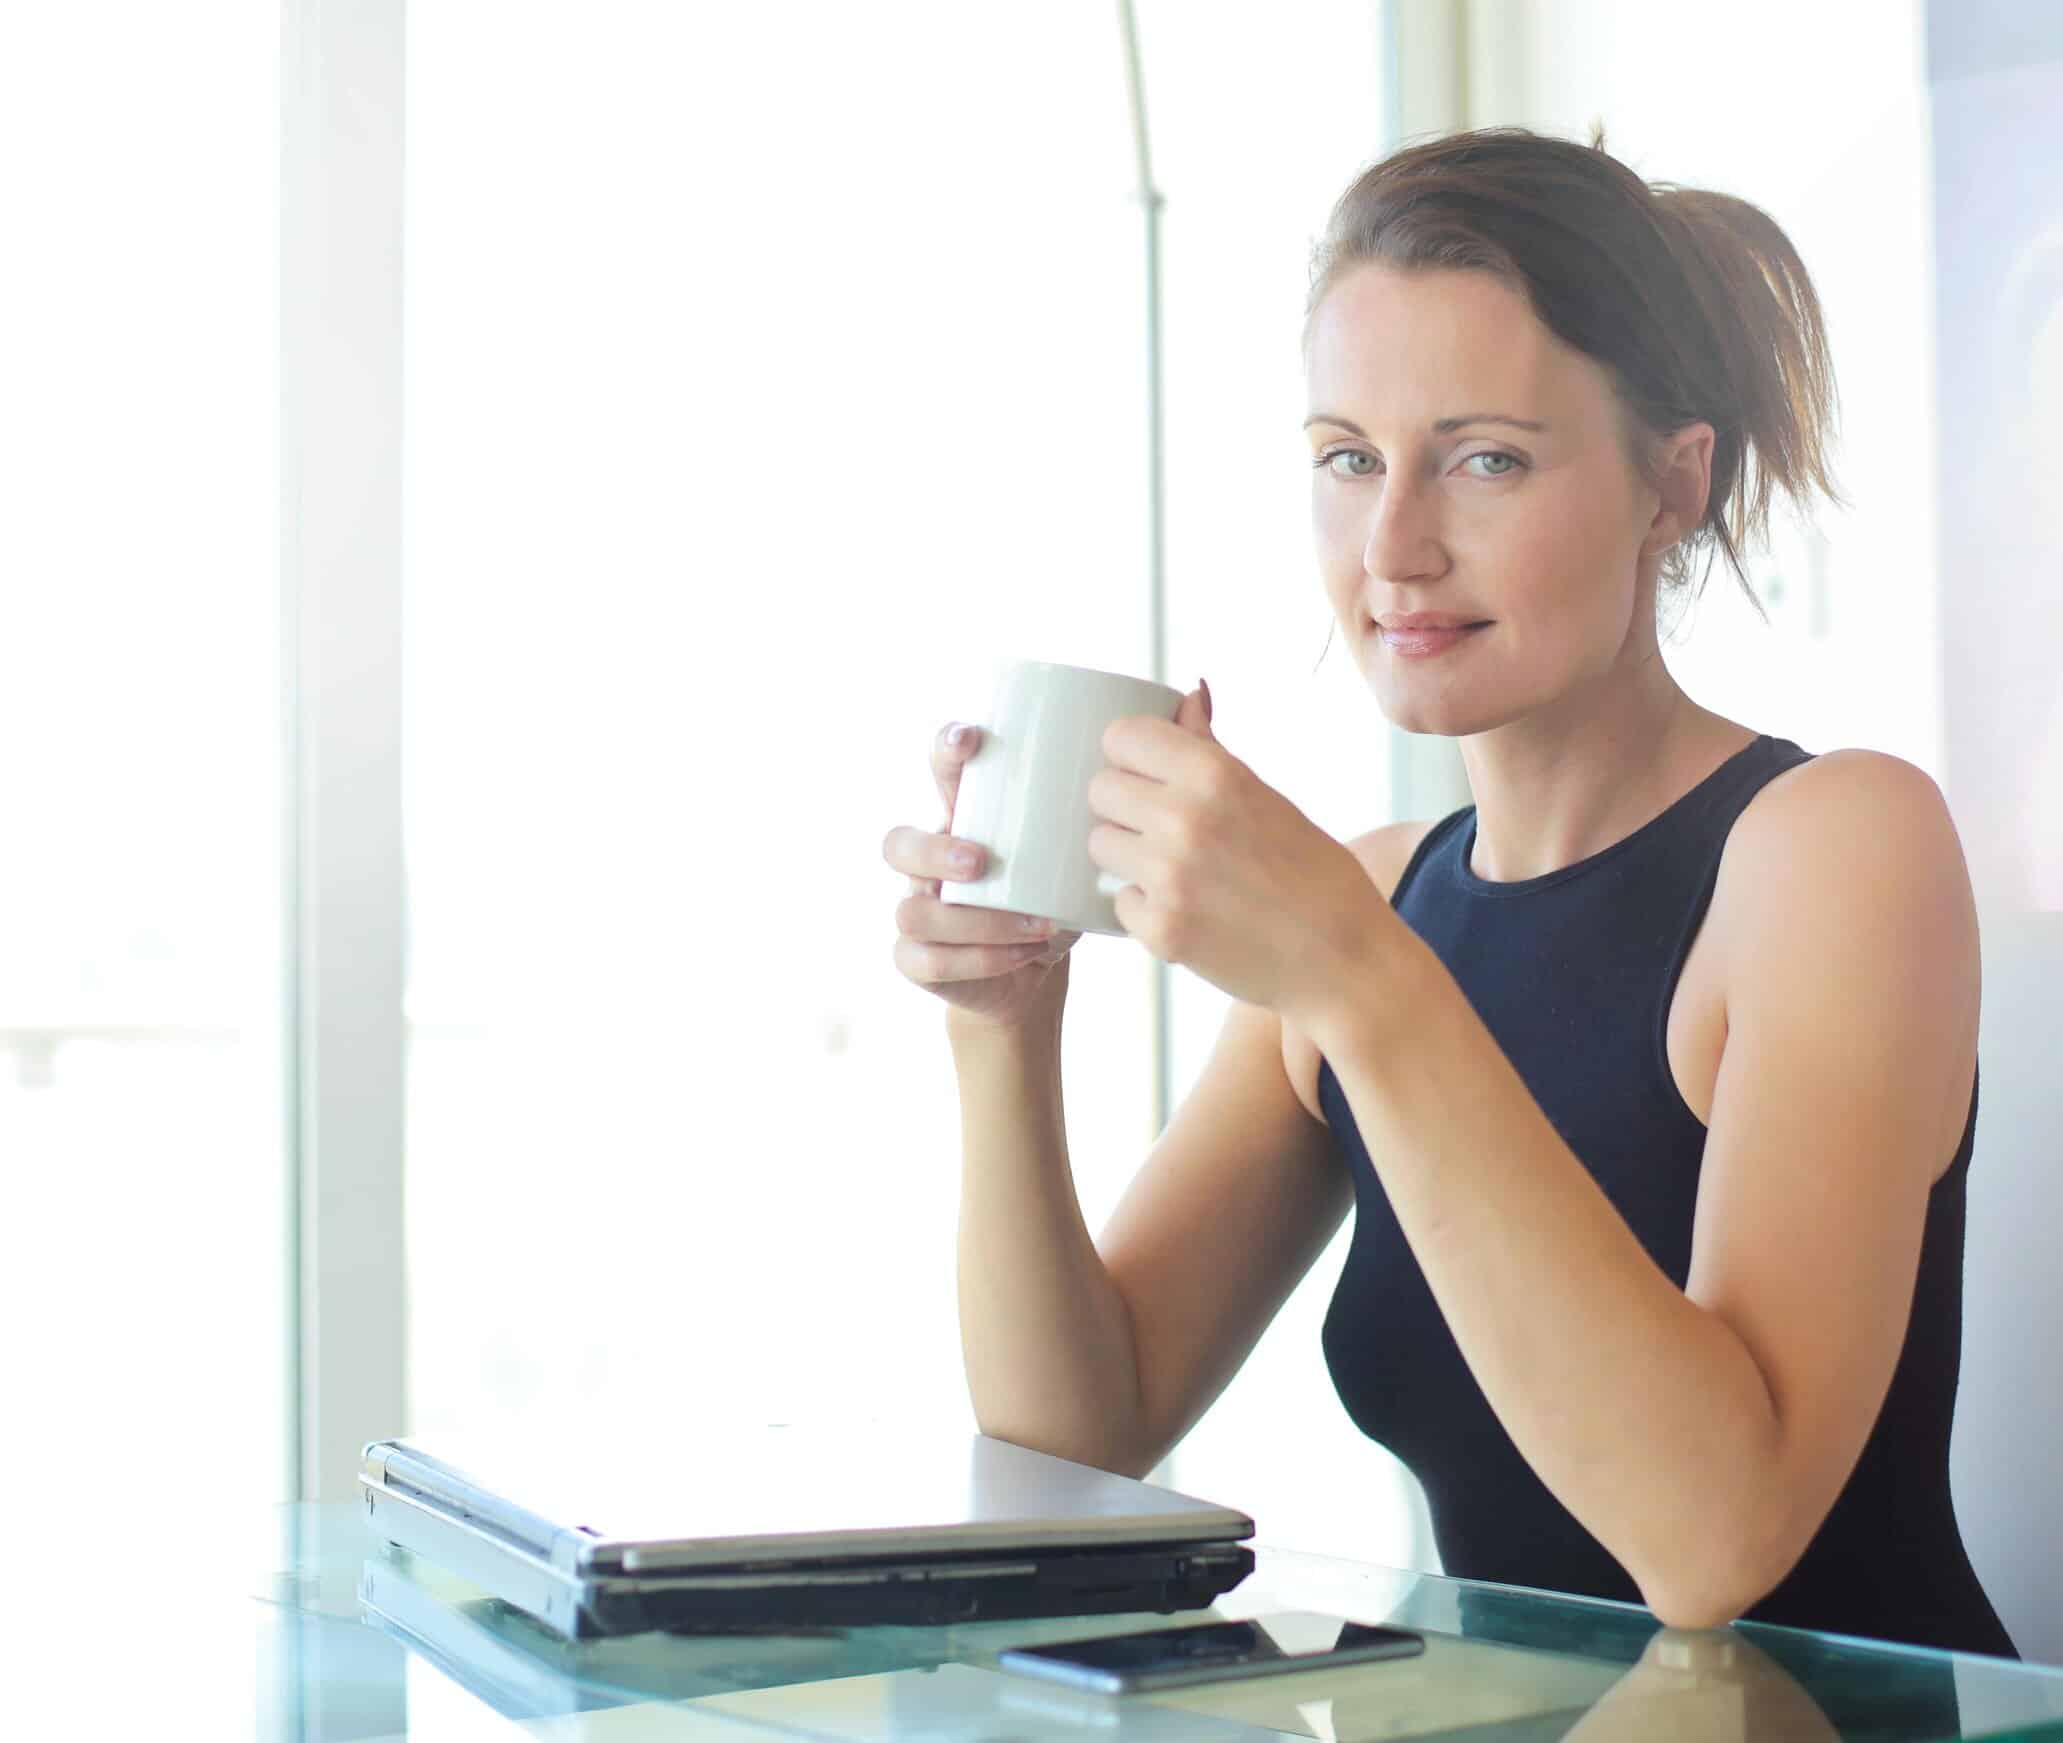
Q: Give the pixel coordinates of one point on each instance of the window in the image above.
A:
(140, 986)
(765, 385)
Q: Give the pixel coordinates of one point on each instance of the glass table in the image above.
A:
(359, 1641)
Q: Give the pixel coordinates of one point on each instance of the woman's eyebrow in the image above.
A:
(1445, 427)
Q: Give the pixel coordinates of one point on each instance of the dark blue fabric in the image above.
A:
(1573, 973)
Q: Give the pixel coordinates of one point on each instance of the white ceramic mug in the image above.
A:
(1024, 794)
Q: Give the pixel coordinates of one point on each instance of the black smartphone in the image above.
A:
(1161, 1658)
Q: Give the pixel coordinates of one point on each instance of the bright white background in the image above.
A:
(142, 1240)
(141, 1261)
(764, 386)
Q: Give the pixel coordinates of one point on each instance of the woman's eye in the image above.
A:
(1326, 460)
(1511, 463)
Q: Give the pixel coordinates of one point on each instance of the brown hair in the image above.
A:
(1695, 302)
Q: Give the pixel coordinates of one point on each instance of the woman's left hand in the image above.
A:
(1222, 873)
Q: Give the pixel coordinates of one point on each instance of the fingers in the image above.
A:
(939, 941)
(928, 859)
(1121, 853)
(950, 750)
(931, 921)
(1132, 801)
(932, 963)
(943, 941)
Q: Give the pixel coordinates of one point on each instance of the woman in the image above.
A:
(1651, 1076)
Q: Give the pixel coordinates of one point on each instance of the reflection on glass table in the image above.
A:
(1499, 1662)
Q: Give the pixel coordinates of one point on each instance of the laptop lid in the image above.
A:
(745, 1498)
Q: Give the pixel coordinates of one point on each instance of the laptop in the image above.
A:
(798, 1528)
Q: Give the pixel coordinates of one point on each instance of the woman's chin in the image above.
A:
(1456, 711)
(1430, 716)
(1411, 704)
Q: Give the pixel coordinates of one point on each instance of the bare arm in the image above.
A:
(1043, 1331)
(1109, 1352)
(1702, 1434)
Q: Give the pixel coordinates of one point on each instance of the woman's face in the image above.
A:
(1469, 464)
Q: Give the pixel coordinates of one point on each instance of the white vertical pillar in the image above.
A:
(340, 563)
(1429, 66)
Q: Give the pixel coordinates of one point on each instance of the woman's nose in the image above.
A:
(1403, 539)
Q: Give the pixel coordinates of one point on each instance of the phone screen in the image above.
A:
(1208, 1651)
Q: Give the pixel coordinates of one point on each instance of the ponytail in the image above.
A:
(1770, 373)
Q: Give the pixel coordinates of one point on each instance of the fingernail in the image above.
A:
(958, 734)
(964, 858)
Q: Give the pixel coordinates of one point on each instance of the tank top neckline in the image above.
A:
(1464, 878)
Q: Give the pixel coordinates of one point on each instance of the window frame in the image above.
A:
(341, 121)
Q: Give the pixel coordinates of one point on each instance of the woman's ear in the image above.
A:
(1682, 476)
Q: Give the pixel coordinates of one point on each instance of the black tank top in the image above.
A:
(1573, 973)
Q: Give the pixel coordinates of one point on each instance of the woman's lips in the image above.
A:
(1418, 644)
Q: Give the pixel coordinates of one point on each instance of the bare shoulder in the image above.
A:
(1846, 821)
(1384, 852)
(1844, 905)
(1387, 850)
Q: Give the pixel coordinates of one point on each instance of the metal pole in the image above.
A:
(1151, 201)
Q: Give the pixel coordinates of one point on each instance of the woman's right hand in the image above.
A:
(989, 963)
